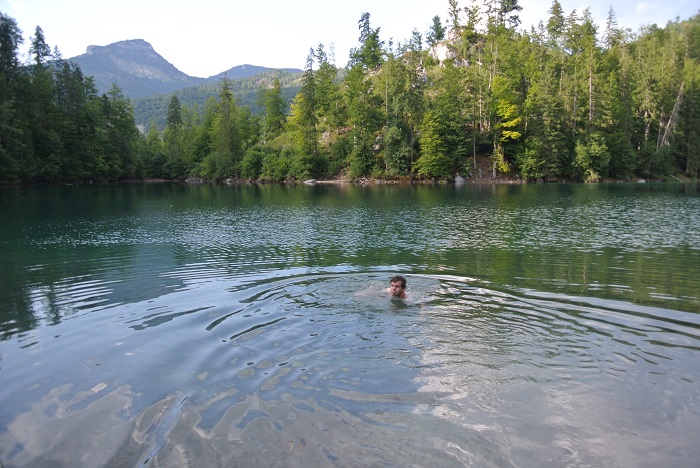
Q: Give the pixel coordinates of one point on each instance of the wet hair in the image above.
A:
(398, 279)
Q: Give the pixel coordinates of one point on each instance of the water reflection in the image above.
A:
(315, 374)
(250, 326)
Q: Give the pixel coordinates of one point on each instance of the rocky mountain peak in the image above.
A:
(127, 46)
(133, 65)
(141, 72)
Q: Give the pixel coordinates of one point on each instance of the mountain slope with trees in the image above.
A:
(140, 72)
(247, 90)
(562, 101)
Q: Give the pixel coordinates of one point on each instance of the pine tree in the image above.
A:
(275, 110)
(174, 118)
(119, 155)
(225, 154)
(39, 49)
(507, 120)
(436, 33)
(303, 124)
(369, 53)
(329, 108)
(556, 23)
(364, 106)
(452, 14)
(47, 150)
(434, 161)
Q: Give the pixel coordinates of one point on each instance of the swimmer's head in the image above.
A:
(397, 286)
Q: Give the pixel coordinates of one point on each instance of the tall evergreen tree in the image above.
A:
(434, 161)
(39, 49)
(507, 13)
(46, 145)
(305, 111)
(275, 110)
(10, 39)
(303, 124)
(119, 154)
(507, 120)
(436, 33)
(225, 154)
(369, 53)
(172, 139)
(174, 117)
(75, 96)
(329, 108)
(12, 146)
(452, 15)
(556, 23)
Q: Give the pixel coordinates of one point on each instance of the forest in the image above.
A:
(560, 102)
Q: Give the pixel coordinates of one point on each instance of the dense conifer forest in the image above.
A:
(562, 101)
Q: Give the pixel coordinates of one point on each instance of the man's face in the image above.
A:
(395, 288)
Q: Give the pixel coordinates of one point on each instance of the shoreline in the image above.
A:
(364, 181)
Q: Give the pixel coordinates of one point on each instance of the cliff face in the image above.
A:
(135, 67)
(141, 72)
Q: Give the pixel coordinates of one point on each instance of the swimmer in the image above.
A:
(397, 287)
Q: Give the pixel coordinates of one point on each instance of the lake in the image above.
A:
(213, 325)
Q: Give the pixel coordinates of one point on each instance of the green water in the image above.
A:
(163, 324)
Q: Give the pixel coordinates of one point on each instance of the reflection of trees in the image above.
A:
(74, 248)
(71, 247)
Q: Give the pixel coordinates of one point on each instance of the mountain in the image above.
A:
(135, 67)
(141, 72)
(242, 72)
(153, 109)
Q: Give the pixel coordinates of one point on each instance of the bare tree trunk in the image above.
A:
(647, 125)
(590, 95)
(573, 116)
(474, 146)
(495, 155)
(672, 120)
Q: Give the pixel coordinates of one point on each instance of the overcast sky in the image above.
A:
(206, 37)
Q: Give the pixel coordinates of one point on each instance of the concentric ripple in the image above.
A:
(285, 362)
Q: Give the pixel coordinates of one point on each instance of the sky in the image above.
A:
(207, 37)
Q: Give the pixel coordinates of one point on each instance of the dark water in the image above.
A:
(167, 325)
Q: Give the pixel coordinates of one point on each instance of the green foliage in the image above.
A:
(327, 93)
(174, 113)
(10, 39)
(276, 166)
(246, 92)
(303, 119)
(397, 154)
(275, 110)
(153, 155)
(252, 162)
(338, 156)
(433, 161)
(436, 32)
(369, 53)
(689, 119)
(446, 119)
(557, 102)
(532, 165)
(39, 49)
(592, 157)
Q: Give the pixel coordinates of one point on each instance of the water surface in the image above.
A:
(161, 325)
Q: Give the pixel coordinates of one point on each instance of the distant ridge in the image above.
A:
(141, 72)
(240, 72)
